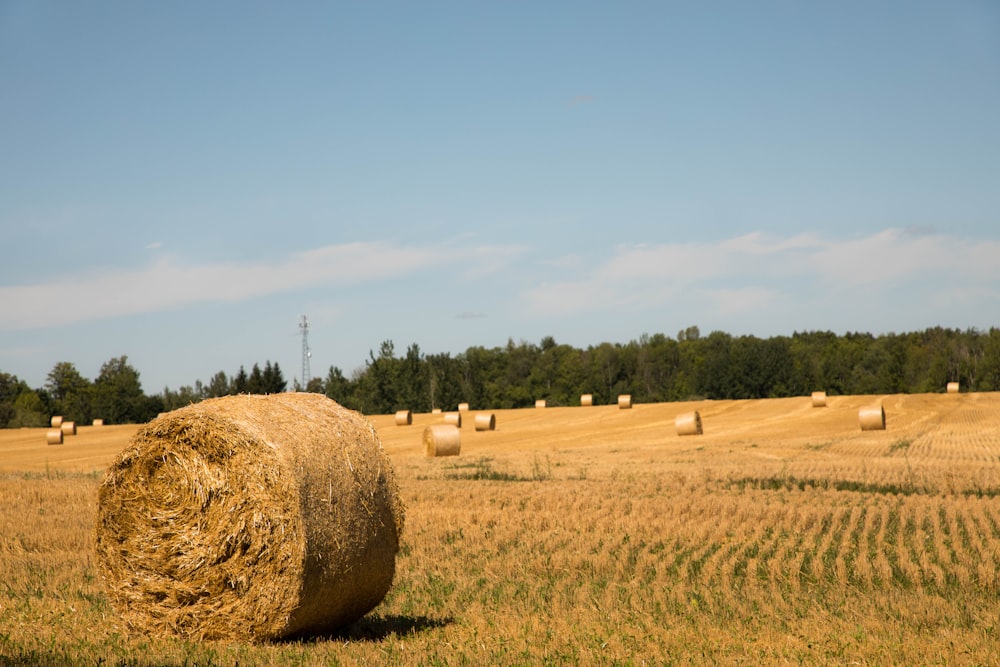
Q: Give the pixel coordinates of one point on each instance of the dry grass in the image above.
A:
(597, 535)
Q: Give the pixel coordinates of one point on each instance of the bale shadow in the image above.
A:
(378, 628)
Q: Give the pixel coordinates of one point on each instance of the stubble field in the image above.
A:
(783, 534)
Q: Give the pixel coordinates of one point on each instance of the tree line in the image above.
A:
(653, 368)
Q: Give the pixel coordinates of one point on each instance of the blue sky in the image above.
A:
(180, 182)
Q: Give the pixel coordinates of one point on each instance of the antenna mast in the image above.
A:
(306, 353)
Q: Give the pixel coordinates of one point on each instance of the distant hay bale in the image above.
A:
(952, 387)
(819, 399)
(586, 400)
(453, 418)
(249, 517)
(54, 436)
(486, 422)
(436, 411)
(442, 440)
(540, 403)
(625, 401)
(68, 428)
(872, 418)
(56, 422)
(404, 418)
(463, 407)
(688, 423)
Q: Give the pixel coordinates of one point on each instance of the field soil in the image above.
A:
(596, 535)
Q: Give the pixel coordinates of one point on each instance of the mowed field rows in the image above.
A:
(594, 535)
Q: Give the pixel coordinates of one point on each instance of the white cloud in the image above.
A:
(167, 284)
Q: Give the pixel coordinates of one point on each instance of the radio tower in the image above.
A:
(306, 353)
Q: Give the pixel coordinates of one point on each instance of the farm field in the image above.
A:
(594, 535)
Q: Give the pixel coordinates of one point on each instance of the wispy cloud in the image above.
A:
(755, 271)
(168, 284)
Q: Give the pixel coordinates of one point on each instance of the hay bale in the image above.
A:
(625, 401)
(436, 411)
(586, 400)
(872, 418)
(249, 517)
(54, 436)
(952, 387)
(453, 418)
(404, 418)
(56, 422)
(442, 440)
(540, 403)
(486, 422)
(819, 399)
(98, 422)
(463, 407)
(688, 423)
(68, 428)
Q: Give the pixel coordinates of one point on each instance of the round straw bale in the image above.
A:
(872, 418)
(586, 400)
(442, 440)
(540, 403)
(98, 422)
(404, 418)
(56, 422)
(463, 407)
(952, 387)
(68, 428)
(688, 423)
(249, 517)
(819, 399)
(54, 436)
(625, 401)
(486, 422)
(453, 418)
(436, 411)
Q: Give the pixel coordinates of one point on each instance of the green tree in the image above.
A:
(70, 392)
(337, 387)
(118, 396)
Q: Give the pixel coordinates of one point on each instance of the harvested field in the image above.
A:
(598, 535)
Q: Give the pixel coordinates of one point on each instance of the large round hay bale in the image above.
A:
(98, 422)
(463, 407)
(540, 403)
(404, 418)
(486, 421)
(54, 437)
(688, 423)
(819, 399)
(872, 418)
(436, 411)
(586, 400)
(249, 517)
(453, 418)
(68, 428)
(624, 401)
(952, 387)
(56, 421)
(442, 440)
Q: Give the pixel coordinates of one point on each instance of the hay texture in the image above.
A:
(249, 517)
(586, 400)
(68, 428)
(540, 403)
(404, 418)
(54, 437)
(952, 387)
(819, 399)
(442, 440)
(872, 418)
(625, 401)
(688, 423)
(56, 422)
(486, 421)
(453, 418)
